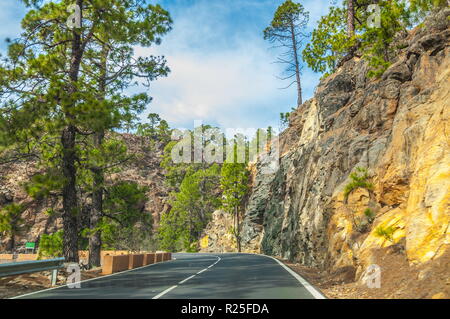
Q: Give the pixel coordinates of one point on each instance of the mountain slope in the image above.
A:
(397, 128)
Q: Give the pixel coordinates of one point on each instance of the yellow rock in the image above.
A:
(412, 179)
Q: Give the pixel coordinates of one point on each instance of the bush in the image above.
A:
(359, 179)
(386, 232)
(51, 245)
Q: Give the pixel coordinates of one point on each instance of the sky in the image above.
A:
(222, 70)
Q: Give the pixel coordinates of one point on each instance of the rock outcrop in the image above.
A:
(398, 129)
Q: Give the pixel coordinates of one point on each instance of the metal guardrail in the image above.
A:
(26, 267)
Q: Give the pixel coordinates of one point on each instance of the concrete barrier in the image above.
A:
(159, 257)
(20, 257)
(167, 256)
(113, 264)
(149, 259)
(84, 254)
(136, 261)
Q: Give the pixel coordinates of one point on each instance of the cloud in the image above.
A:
(222, 69)
(220, 88)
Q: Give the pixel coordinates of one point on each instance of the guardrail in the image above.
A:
(27, 267)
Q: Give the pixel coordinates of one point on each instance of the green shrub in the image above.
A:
(385, 232)
(51, 245)
(359, 179)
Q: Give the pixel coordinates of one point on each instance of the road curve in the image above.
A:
(194, 276)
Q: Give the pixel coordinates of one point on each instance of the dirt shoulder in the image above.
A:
(399, 280)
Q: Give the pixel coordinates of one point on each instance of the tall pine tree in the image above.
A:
(287, 30)
(48, 98)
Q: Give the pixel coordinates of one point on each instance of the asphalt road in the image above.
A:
(193, 276)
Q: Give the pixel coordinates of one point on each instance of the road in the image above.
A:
(194, 276)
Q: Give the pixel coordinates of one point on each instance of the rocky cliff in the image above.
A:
(397, 129)
(144, 169)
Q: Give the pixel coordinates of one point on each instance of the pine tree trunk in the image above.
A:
(350, 18)
(237, 230)
(95, 240)
(297, 66)
(12, 242)
(70, 206)
(68, 140)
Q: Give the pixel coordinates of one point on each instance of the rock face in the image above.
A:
(220, 237)
(396, 127)
(145, 170)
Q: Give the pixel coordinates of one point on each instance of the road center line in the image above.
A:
(183, 281)
(164, 292)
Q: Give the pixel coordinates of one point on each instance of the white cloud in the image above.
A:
(222, 71)
(217, 87)
(221, 74)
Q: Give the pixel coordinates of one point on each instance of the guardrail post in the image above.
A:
(54, 277)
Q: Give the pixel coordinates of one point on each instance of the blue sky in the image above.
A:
(222, 70)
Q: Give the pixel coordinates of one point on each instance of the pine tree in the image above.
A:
(334, 41)
(11, 222)
(350, 18)
(49, 101)
(125, 224)
(115, 69)
(330, 42)
(191, 211)
(234, 185)
(287, 31)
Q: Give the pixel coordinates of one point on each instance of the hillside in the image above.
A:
(396, 129)
(144, 169)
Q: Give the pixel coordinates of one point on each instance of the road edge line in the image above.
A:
(316, 293)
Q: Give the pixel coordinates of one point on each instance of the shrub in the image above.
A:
(359, 179)
(385, 232)
(51, 245)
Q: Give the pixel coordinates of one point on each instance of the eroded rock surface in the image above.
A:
(396, 127)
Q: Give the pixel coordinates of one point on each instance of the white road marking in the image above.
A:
(164, 292)
(313, 291)
(183, 281)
